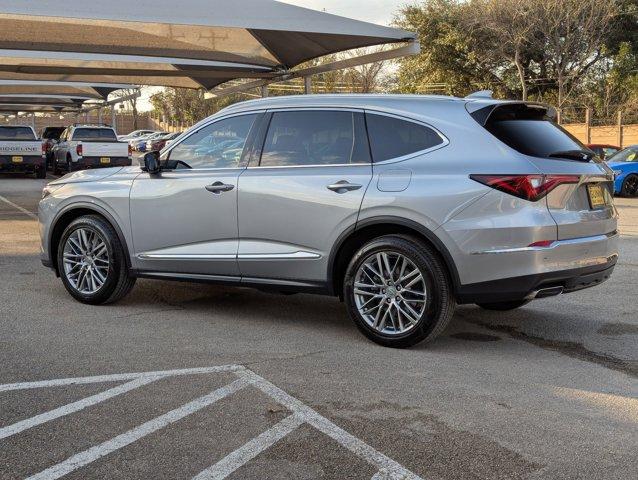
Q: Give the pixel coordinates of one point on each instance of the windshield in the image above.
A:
(627, 155)
(16, 133)
(94, 135)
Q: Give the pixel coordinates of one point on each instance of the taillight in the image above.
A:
(78, 149)
(528, 187)
(45, 149)
(130, 150)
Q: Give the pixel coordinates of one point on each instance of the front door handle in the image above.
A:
(219, 187)
(343, 186)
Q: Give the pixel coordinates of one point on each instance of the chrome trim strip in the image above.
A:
(230, 256)
(555, 244)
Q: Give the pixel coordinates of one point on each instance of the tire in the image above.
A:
(41, 172)
(56, 167)
(429, 317)
(630, 186)
(117, 282)
(503, 306)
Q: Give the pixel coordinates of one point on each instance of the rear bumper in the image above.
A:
(85, 163)
(28, 164)
(529, 286)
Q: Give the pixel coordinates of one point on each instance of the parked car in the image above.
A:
(155, 145)
(50, 137)
(403, 206)
(139, 145)
(21, 151)
(133, 135)
(89, 146)
(604, 151)
(625, 167)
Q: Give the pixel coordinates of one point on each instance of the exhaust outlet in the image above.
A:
(548, 292)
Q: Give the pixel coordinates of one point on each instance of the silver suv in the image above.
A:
(403, 206)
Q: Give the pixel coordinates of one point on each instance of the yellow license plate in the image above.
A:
(105, 160)
(596, 196)
(17, 159)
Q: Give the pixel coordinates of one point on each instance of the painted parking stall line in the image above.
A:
(301, 414)
(18, 207)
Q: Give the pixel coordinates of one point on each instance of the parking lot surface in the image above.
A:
(197, 381)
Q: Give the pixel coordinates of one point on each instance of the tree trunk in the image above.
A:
(521, 73)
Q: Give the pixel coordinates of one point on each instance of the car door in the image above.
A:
(184, 219)
(303, 191)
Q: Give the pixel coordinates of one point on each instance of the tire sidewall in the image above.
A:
(624, 191)
(115, 259)
(428, 321)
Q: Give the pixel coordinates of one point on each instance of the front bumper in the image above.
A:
(28, 164)
(529, 286)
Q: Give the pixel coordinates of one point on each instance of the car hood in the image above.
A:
(622, 164)
(87, 175)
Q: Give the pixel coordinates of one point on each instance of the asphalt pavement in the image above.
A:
(197, 381)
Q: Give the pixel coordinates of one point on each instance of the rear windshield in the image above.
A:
(531, 131)
(52, 133)
(16, 133)
(95, 135)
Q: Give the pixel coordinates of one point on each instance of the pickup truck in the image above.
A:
(21, 151)
(88, 146)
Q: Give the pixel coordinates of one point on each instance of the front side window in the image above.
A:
(626, 155)
(316, 137)
(219, 145)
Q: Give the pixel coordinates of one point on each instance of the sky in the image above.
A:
(375, 11)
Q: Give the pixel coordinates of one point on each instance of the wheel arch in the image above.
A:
(66, 216)
(353, 238)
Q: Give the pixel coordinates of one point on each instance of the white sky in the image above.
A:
(375, 11)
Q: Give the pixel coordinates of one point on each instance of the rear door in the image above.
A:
(581, 208)
(301, 193)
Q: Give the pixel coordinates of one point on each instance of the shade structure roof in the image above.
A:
(29, 107)
(187, 43)
(48, 89)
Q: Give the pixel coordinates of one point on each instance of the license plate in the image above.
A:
(17, 159)
(105, 160)
(596, 196)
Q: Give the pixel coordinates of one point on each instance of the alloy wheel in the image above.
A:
(390, 292)
(86, 260)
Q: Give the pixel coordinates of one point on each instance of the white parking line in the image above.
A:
(19, 208)
(75, 406)
(250, 450)
(84, 458)
(301, 414)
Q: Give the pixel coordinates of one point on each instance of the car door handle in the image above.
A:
(219, 187)
(343, 186)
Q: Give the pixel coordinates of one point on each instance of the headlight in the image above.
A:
(49, 189)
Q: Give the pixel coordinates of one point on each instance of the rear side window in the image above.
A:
(530, 131)
(316, 137)
(94, 135)
(392, 137)
(16, 133)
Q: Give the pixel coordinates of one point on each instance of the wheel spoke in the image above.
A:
(411, 319)
(416, 279)
(408, 276)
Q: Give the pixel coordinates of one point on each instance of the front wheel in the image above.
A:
(91, 261)
(398, 292)
(630, 186)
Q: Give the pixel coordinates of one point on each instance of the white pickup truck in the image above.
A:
(21, 151)
(89, 146)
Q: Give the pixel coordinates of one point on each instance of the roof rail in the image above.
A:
(481, 94)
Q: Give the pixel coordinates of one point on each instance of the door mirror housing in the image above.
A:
(151, 163)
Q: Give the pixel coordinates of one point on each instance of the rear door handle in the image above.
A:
(219, 187)
(343, 186)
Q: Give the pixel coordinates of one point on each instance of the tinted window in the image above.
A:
(315, 138)
(94, 134)
(530, 131)
(219, 145)
(52, 133)
(392, 138)
(16, 133)
(627, 155)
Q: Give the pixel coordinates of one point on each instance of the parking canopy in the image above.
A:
(188, 43)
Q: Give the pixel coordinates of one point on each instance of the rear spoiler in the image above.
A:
(482, 113)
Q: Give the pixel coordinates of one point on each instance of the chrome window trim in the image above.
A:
(445, 141)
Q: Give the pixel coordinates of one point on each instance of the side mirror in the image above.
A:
(151, 163)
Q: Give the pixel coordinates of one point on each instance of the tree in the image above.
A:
(131, 103)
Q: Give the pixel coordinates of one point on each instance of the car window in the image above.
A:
(392, 137)
(316, 137)
(219, 145)
(626, 155)
(16, 133)
(94, 134)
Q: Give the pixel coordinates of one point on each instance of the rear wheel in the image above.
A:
(503, 306)
(41, 172)
(630, 186)
(92, 262)
(398, 292)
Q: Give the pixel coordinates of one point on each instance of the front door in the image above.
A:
(184, 219)
(305, 191)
